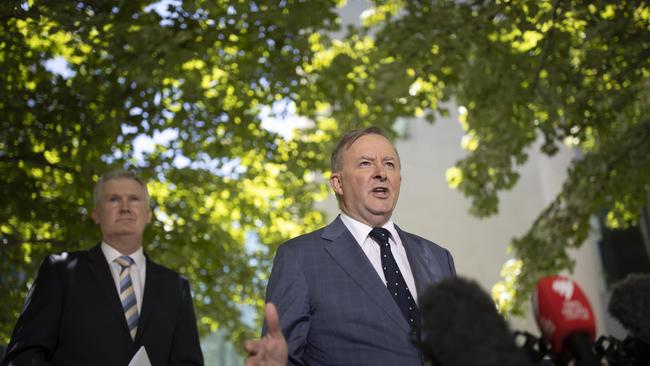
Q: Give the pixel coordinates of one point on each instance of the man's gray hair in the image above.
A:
(118, 174)
(348, 139)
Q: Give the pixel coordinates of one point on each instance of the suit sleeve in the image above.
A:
(36, 332)
(450, 263)
(288, 290)
(186, 348)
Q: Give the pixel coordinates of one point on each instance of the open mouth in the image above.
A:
(382, 191)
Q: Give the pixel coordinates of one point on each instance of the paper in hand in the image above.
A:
(140, 358)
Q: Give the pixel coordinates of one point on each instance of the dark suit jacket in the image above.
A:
(335, 310)
(73, 316)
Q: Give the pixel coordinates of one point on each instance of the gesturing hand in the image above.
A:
(270, 350)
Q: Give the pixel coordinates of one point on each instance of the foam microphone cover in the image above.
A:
(630, 305)
(562, 311)
(461, 326)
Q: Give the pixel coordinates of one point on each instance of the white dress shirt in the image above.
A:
(361, 231)
(138, 270)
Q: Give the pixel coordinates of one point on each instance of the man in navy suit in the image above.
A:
(342, 296)
(100, 306)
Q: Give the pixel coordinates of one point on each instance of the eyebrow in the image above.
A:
(117, 194)
(387, 158)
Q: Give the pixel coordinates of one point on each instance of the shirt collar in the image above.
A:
(360, 231)
(111, 253)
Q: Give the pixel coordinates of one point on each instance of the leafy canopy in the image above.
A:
(560, 72)
(226, 191)
(189, 77)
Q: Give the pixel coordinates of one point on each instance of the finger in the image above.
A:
(251, 347)
(272, 320)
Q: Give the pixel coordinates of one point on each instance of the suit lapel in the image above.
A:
(151, 293)
(348, 254)
(99, 268)
(423, 265)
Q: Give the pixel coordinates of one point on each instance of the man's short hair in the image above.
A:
(348, 139)
(118, 174)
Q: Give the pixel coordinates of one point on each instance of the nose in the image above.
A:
(124, 206)
(380, 172)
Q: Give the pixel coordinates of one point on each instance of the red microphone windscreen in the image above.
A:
(561, 309)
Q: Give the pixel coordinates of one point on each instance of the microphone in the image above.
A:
(630, 305)
(461, 326)
(566, 319)
(536, 348)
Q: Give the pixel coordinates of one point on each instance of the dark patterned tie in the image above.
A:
(395, 281)
(127, 294)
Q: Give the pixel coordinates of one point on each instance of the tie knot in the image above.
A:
(380, 235)
(124, 261)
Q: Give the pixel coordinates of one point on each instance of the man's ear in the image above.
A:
(149, 216)
(336, 183)
(94, 216)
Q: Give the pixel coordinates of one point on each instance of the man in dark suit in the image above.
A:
(346, 294)
(100, 306)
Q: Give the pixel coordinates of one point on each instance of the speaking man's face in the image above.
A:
(369, 180)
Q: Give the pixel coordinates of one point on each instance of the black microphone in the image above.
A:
(630, 305)
(461, 326)
(537, 349)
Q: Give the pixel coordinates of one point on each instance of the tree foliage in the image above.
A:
(200, 73)
(563, 72)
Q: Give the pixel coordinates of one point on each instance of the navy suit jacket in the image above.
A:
(73, 316)
(335, 310)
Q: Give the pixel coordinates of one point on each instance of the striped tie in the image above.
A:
(127, 295)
